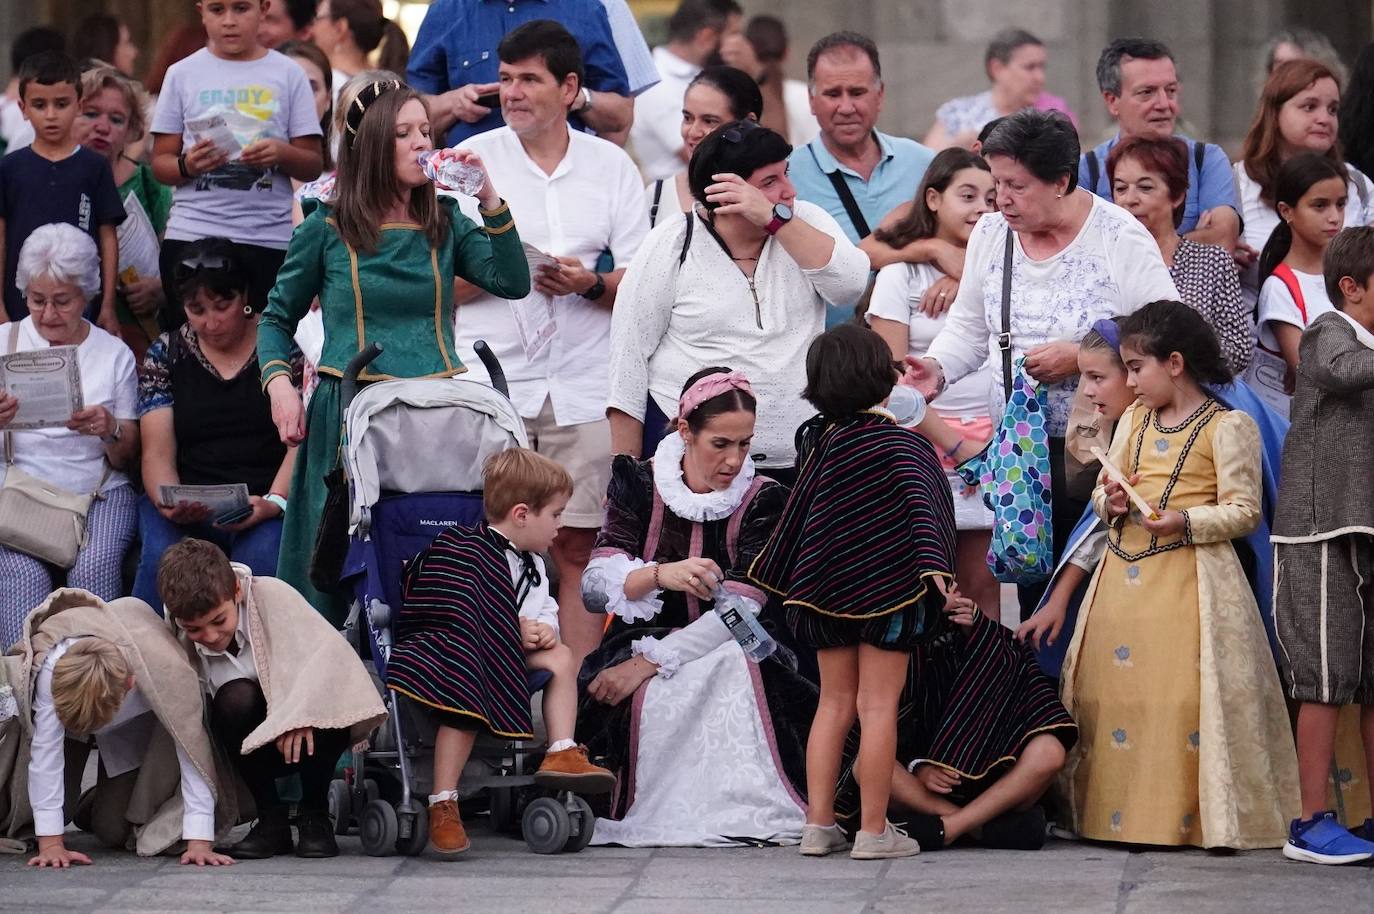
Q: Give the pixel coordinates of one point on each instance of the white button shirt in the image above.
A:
(593, 201)
(121, 743)
(656, 133)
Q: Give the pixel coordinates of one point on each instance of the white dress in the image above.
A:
(704, 770)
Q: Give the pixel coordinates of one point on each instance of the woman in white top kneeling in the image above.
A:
(745, 282)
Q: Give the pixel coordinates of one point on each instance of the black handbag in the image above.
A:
(331, 537)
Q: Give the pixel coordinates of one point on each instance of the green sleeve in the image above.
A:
(298, 284)
(158, 201)
(489, 256)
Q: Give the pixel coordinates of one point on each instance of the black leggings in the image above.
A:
(236, 711)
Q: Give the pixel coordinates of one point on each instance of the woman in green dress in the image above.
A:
(381, 257)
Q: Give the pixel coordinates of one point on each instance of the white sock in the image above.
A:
(561, 745)
(443, 795)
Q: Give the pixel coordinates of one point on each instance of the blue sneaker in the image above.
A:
(1321, 839)
(1364, 832)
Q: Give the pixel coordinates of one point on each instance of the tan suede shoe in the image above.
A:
(446, 830)
(568, 769)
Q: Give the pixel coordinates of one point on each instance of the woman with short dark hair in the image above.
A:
(745, 279)
(1075, 258)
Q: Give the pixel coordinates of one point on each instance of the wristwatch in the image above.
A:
(278, 500)
(597, 290)
(586, 100)
(114, 436)
(782, 214)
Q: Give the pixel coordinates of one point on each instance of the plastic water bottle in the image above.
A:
(907, 405)
(744, 625)
(460, 176)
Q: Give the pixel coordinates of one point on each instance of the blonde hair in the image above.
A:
(521, 477)
(97, 79)
(89, 683)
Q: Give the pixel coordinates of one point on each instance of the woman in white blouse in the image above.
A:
(1299, 111)
(1075, 259)
(744, 281)
(58, 272)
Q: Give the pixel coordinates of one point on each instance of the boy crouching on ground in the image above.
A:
(287, 694)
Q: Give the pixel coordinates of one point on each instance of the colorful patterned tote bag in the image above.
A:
(1014, 473)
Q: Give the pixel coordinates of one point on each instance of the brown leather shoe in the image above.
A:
(568, 769)
(446, 830)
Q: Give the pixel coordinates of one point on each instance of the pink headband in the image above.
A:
(713, 385)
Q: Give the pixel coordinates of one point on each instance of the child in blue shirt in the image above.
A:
(56, 180)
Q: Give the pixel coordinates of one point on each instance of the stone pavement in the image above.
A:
(499, 875)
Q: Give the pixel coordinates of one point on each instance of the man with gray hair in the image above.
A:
(856, 172)
(1139, 83)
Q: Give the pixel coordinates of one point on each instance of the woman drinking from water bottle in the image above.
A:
(380, 255)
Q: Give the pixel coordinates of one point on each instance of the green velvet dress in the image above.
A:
(400, 296)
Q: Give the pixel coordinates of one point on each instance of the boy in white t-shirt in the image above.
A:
(234, 122)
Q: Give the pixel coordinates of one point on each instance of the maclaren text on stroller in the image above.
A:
(413, 455)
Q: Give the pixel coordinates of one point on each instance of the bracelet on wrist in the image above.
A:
(181, 167)
(657, 585)
(278, 500)
(949, 454)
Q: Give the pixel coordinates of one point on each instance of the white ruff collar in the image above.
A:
(682, 501)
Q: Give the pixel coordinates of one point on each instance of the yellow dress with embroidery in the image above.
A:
(1183, 734)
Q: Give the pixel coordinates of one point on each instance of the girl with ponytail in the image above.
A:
(1310, 197)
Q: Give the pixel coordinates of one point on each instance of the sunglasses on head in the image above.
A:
(192, 265)
(736, 134)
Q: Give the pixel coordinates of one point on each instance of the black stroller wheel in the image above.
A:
(583, 823)
(340, 806)
(416, 815)
(501, 806)
(546, 826)
(379, 829)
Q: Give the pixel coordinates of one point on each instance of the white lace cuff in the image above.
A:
(603, 585)
(656, 651)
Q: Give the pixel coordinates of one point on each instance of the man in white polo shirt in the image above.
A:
(574, 197)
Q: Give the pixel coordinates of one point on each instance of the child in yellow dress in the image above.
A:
(1184, 737)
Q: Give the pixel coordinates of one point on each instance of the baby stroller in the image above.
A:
(414, 456)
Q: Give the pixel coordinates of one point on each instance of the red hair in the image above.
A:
(1261, 150)
(1166, 157)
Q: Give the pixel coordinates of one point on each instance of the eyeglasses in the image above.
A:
(62, 304)
(192, 265)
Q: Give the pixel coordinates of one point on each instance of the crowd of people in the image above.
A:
(765, 355)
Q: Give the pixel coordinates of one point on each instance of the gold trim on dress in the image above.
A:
(439, 309)
(413, 697)
(357, 293)
(370, 376)
(500, 230)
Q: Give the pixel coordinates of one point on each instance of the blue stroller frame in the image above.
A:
(401, 499)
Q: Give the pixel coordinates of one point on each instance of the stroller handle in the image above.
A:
(354, 368)
(493, 366)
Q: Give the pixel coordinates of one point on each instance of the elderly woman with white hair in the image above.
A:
(58, 272)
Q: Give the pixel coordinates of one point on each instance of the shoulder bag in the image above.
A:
(38, 518)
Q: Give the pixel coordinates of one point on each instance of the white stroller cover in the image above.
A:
(424, 435)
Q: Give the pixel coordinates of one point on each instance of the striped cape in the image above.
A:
(870, 520)
(458, 634)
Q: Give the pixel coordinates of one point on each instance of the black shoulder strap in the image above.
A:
(1199, 156)
(653, 208)
(851, 206)
(1094, 170)
(1004, 338)
(686, 238)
